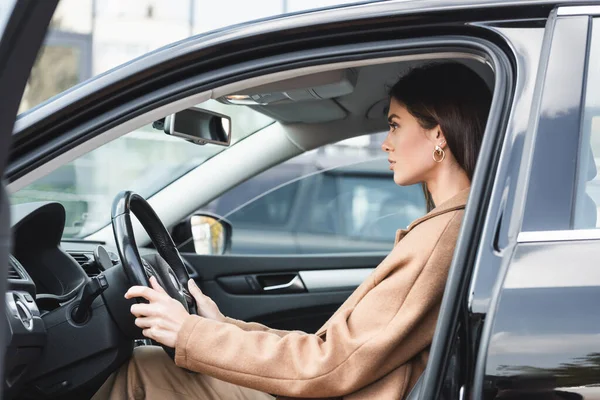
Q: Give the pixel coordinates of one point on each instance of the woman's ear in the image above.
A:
(436, 136)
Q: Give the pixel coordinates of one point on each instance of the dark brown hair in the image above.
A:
(453, 96)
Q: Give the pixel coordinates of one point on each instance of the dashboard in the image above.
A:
(50, 354)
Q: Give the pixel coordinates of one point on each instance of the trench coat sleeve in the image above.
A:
(256, 327)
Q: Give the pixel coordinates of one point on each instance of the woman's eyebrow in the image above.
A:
(392, 116)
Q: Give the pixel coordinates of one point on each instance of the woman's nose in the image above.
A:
(385, 145)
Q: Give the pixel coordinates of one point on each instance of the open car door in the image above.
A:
(23, 25)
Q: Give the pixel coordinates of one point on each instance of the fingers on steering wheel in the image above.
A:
(142, 291)
(149, 333)
(145, 323)
(156, 286)
(194, 289)
(143, 310)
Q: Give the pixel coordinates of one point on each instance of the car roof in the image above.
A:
(286, 22)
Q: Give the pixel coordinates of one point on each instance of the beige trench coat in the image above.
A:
(376, 344)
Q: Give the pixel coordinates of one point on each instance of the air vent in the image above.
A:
(82, 258)
(13, 273)
(13, 270)
(86, 260)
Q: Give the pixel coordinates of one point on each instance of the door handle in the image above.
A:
(293, 286)
(262, 284)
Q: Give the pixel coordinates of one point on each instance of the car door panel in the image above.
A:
(546, 325)
(327, 281)
(540, 336)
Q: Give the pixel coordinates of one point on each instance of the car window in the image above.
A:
(271, 211)
(144, 161)
(587, 201)
(372, 209)
(337, 199)
(6, 7)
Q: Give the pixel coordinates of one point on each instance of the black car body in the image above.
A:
(519, 319)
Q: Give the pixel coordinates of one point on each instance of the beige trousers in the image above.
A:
(151, 374)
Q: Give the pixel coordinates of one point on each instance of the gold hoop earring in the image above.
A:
(438, 154)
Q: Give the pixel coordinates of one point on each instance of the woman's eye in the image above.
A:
(393, 125)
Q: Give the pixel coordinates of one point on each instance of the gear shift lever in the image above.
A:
(92, 289)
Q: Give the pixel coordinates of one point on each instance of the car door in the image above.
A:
(491, 219)
(540, 338)
(23, 25)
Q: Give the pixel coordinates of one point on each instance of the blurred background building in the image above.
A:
(88, 37)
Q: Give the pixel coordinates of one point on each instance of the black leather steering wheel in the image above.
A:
(168, 268)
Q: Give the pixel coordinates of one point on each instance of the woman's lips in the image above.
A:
(392, 163)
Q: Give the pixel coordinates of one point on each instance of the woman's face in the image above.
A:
(409, 146)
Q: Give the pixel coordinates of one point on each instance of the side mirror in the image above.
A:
(198, 126)
(204, 233)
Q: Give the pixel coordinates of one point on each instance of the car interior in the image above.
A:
(71, 325)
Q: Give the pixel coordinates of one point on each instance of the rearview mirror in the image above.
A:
(199, 126)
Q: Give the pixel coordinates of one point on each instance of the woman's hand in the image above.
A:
(163, 317)
(206, 307)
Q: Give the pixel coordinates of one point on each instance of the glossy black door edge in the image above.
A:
(526, 42)
(497, 238)
(133, 107)
(454, 303)
(552, 182)
(19, 43)
(518, 207)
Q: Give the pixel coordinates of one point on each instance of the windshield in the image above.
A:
(144, 161)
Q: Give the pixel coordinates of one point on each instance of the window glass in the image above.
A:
(6, 8)
(337, 199)
(272, 211)
(62, 62)
(587, 201)
(322, 212)
(144, 161)
(372, 209)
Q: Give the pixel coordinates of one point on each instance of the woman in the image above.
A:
(376, 345)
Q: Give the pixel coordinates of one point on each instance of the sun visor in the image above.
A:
(315, 112)
(325, 85)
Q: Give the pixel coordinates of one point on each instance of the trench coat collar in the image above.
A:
(456, 202)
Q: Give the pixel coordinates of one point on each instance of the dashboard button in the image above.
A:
(103, 282)
(28, 298)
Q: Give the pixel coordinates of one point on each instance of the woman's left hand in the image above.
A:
(162, 318)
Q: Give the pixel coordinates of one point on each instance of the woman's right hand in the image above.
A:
(206, 307)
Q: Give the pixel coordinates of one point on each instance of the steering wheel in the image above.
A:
(168, 267)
